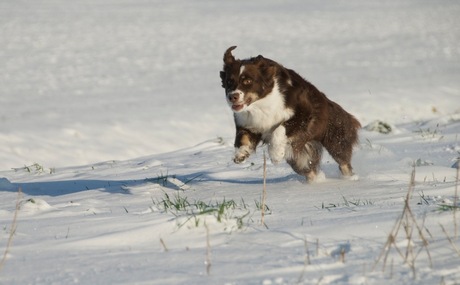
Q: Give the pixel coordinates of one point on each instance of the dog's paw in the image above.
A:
(318, 177)
(276, 154)
(353, 177)
(241, 154)
(239, 159)
(276, 159)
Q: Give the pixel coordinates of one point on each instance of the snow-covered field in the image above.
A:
(114, 125)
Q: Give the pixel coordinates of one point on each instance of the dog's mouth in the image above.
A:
(237, 107)
(240, 105)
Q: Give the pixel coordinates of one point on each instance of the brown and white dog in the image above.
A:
(277, 106)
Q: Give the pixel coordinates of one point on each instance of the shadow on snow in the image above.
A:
(173, 182)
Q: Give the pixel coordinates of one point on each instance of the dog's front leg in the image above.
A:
(277, 144)
(245, 144)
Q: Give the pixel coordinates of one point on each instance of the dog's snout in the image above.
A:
(234, 96)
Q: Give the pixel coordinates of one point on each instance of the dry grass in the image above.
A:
(264, 192)
(307, 261)
(450, 240)
(456, 201)
(208, 251)
(12, 230)
(407, 227)
(163, 244)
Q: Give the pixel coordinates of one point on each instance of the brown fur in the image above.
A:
(314, 122)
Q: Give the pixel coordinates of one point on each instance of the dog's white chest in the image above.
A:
(262, 115)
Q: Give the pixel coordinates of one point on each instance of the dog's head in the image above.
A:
(246, 81)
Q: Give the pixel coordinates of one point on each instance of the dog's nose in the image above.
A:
(234, 96)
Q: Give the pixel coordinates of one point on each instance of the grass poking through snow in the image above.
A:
(223, 210)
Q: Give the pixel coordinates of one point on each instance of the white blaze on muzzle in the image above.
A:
(236, 100)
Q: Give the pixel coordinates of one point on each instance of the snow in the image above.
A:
(110, 110)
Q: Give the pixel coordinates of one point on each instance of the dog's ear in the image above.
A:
(257, 59)
(269, 74)
(222, 77)
(268, 71)
(228, 57)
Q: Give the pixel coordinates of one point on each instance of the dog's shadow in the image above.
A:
(176, 183)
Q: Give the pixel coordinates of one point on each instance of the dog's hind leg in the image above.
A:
(346, 169)
(305, 158)
(340, 139)
(341, 153)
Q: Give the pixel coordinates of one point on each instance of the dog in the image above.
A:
(275, 105)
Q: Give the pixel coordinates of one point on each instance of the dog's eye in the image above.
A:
(246, 81)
